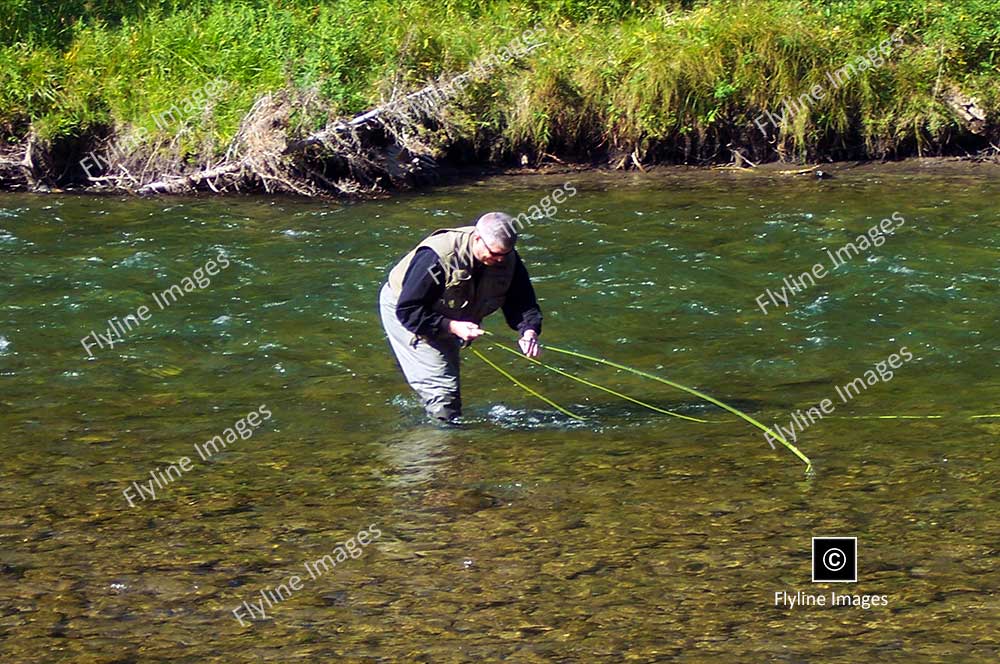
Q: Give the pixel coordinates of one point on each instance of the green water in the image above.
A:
(521, 535)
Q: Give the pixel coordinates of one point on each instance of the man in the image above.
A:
(440, 292)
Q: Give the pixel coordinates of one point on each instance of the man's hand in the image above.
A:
(529, 343)
(465, 330)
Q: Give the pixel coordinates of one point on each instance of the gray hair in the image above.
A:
(497, 229)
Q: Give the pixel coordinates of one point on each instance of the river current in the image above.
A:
(241, 335)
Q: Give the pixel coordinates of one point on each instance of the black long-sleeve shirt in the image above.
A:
(421, 290)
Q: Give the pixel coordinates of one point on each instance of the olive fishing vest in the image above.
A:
(463, 298)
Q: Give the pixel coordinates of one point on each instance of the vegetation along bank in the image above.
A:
(363, 96)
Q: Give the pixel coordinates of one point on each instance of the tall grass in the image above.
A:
(671, 80)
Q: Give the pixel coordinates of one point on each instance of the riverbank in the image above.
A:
(361, 98)
(656, 176)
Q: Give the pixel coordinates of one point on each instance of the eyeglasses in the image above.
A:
(495, 254)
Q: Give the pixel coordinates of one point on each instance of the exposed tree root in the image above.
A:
(20, 167)
(396, 144)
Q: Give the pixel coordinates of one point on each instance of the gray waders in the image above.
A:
(429, 365)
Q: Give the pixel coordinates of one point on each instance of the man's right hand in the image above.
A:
(465, 330)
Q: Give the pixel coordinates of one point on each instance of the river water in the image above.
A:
(522, 534)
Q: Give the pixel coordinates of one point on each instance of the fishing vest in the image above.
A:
(463, 297)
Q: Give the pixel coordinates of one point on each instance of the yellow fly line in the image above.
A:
(734, 411)
(524, 387)
(600, 387)
(776, 436)
(650, 376)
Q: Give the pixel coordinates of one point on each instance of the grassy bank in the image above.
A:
(666, 81)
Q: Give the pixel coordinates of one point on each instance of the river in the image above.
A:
(522, 534)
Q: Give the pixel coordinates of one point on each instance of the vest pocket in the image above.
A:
(458, 290)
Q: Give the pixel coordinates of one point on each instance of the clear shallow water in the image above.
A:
(521, 535)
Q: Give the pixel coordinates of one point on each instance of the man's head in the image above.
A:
(494, 238)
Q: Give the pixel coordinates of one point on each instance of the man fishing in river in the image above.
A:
(439, 293)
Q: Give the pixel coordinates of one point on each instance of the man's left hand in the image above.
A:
(529, 343)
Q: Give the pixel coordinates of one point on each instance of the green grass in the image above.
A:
(667, 78)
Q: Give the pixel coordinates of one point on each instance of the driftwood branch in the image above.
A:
(967, 109)
(177, 184)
